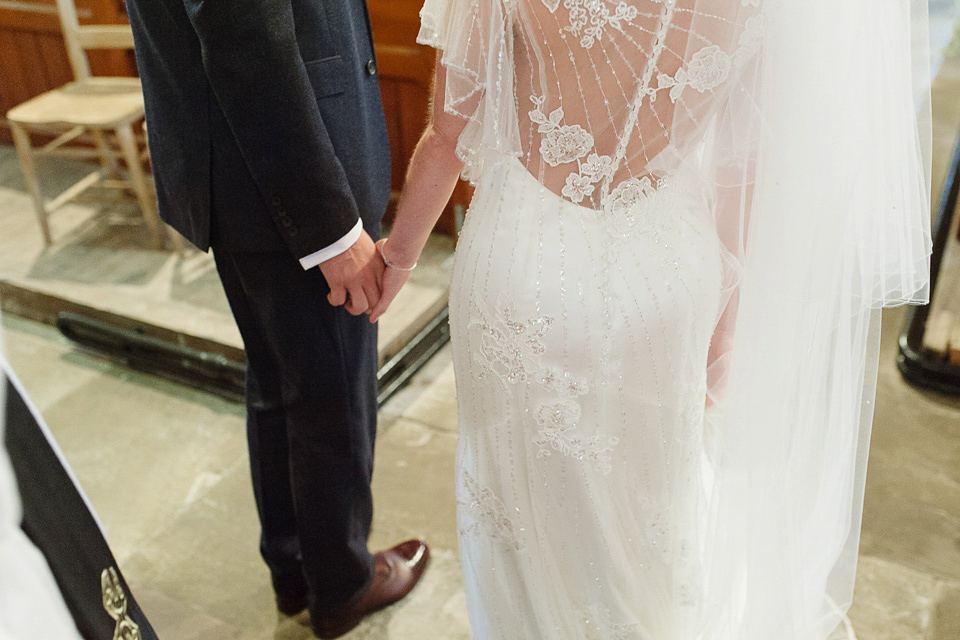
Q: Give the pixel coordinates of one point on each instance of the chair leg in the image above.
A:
(108, 158)
(131, 156)
(21, 140)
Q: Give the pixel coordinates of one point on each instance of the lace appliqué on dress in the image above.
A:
(628, 195)
(510, 347)
(631, 210)
(706, 70)
(711, 66)
(561, 143)
(489, 513)
(554, 379)
(752, 37)
(558, 422)
(590, 18)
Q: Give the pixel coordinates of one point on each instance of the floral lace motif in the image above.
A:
(562, 144)
(629, 194)
(558, 422)
(511, 349)
(711, 66)
(590, 18)
(751, 39)
(706, 70)
(490, 513)
(554, 379)
(510, 346)
(631, 211)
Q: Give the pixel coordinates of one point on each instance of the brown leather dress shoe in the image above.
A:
(396, 571)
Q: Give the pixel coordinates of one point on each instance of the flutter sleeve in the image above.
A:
(433, 23)
(476, 45)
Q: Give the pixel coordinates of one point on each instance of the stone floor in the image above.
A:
(166, 468)
(102, 265)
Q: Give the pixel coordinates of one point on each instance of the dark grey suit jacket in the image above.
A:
(264, 117)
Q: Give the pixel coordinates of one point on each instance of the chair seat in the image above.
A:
(98, 102)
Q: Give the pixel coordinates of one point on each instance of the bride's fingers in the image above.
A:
(382, 305)
(393, 281)
(373, 295)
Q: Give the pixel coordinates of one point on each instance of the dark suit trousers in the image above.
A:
(311, 423)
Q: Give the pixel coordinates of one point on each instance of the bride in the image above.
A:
(664, 302)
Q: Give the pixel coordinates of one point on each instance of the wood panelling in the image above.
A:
(57, 67)
(33, 58)
(406, 80)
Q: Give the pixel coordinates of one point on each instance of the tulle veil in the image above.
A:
(815, 159)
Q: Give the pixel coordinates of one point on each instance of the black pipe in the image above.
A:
(223, 376)
(916, 366)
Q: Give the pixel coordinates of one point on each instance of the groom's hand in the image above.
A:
(354, 276)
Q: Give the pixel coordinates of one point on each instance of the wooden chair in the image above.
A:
(103, 111)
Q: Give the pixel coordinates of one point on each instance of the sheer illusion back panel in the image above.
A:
(604, 89)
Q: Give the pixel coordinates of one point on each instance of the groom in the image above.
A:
(269, 146)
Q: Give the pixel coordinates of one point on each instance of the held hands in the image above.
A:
(354, 276)
(361, 280)
(391, 282)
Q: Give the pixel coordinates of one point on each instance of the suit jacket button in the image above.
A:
(371, 68)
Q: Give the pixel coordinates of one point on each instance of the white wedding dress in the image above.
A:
(580, 355)
(603, 290)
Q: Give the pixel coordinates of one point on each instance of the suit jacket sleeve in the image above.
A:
(253, 63)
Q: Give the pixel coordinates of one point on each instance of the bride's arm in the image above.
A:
(431, 178)
(734, 195)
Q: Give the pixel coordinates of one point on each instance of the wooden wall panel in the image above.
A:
(13, 83)
(33, 58)
(406, 80)
(56, 62)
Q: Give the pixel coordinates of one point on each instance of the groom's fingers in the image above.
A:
(337, 296)
(372, 293)
(357, 303)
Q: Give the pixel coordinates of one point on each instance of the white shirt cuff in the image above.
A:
(335, 249)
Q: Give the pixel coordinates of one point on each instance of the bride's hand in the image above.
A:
(391, 282)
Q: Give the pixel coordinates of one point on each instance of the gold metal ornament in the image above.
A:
(115, 602)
